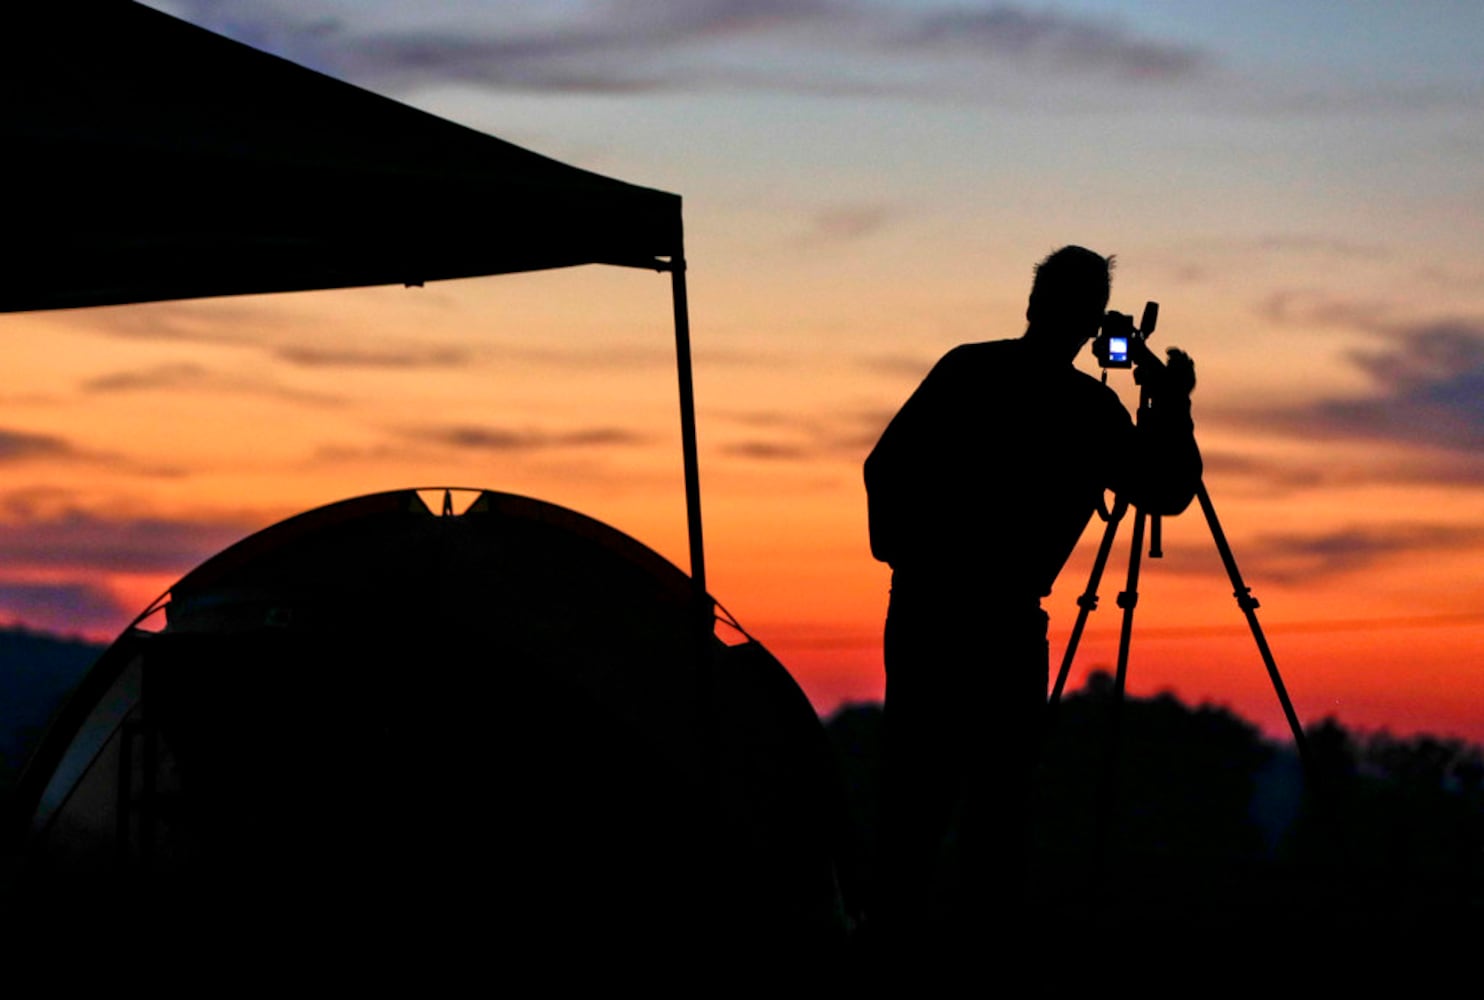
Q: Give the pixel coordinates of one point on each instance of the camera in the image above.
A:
(1117, 336)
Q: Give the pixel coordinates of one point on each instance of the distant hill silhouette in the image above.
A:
(37, 672)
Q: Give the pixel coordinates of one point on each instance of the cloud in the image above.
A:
(1060, 40)
(1312, 308)
(66, 608)
(789, 438)
(20, 445)
(159, 377)
(71, 539)
(504, 439)
(769, 450)
(23, 446)
(293, 339)
(1429, 391)
(374, 356)
(193, 377)
(846, 223)
(616, 47)
(52, 556)
(1269, 476)
(1303, 243)
(303, 341)
(917, 365)
(1303, 558)
(820, 47)
(628, 46)
(189, 322)
(1293, 558)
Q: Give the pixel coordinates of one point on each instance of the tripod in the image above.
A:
(1128, 599)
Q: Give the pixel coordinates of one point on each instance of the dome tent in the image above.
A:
(374, 707)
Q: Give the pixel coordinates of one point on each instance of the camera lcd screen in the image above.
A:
(1117, 348)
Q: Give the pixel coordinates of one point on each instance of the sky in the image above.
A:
(866, 184)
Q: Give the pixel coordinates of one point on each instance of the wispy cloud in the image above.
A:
(311, 342)
(846, 223)
(66, 608)
(1303, 558)
(18, 445)
(188, 377)
(505, 439)
(159, 377)
(73, 539)
(25, 446)
(1298, 306)
(606, 47)
(1428, 391)
(770, 451)
(283, 336)
(1267, 475)
(626, 46)
(1060, 40)
(900, 364)
(1310, 243)
(1307, 558)
(817, 47)
(374, 356)
(782, 437)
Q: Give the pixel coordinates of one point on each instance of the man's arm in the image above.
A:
(898, 469)
(890, 477)
(883, 498)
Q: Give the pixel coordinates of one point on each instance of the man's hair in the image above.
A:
(1071, 281)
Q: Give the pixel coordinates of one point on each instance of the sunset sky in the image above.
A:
(866, 185)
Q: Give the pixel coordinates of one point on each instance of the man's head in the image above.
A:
(1068, 299)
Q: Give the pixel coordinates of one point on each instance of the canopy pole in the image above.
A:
(688, 426)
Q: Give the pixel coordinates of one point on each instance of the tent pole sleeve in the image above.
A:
(688, 424)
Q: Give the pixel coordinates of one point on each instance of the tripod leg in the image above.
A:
(1107, 787)
(1128, 600)
(1086, 604)
(1249, 606)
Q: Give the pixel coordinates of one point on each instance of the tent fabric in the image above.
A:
(149, 159)
(368, 705)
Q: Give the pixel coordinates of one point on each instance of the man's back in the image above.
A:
(990, 471)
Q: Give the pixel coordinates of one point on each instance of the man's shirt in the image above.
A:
(989, 473)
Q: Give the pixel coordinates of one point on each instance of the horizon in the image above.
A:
(865, 187)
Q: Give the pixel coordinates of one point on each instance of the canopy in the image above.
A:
(149, 159)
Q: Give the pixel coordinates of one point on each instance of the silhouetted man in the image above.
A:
(978, 491)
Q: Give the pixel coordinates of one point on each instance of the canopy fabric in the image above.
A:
(149, 159)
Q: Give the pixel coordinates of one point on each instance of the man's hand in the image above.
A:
(1169, 379)
(1179, 373)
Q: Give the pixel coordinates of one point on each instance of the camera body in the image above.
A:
(1117, 336)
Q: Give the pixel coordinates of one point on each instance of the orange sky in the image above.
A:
(1313, 238)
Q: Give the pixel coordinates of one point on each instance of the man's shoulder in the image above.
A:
(982, 353)
(1093, 389)
(990, 348)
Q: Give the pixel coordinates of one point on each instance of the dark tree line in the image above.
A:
(1212, 826)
